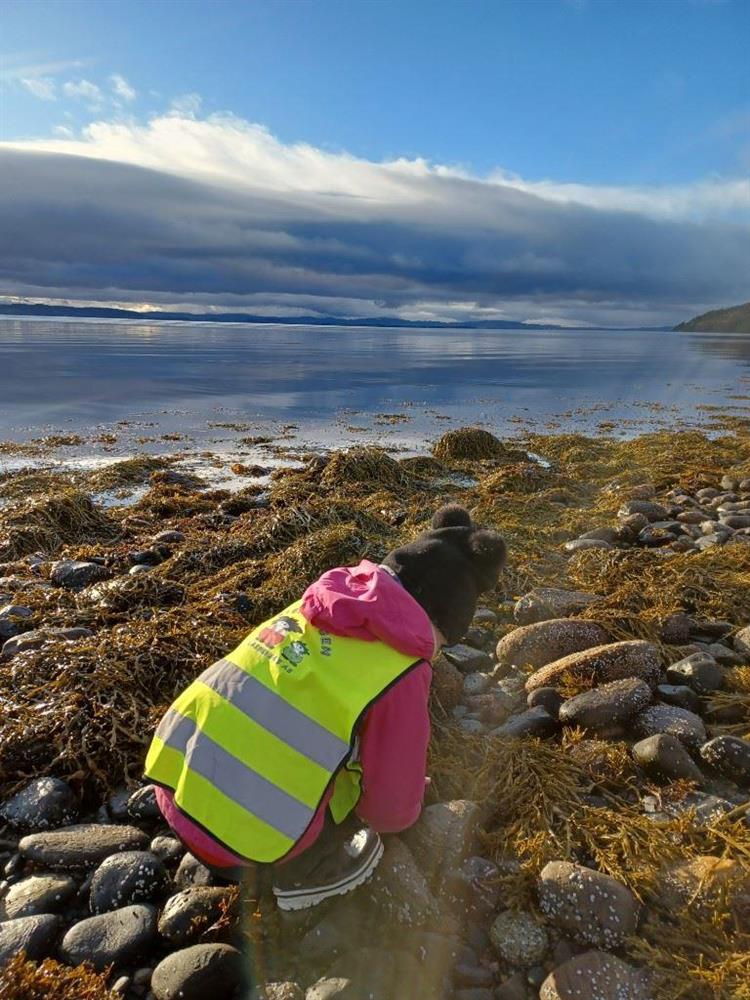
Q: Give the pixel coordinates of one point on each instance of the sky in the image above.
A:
(576, 161)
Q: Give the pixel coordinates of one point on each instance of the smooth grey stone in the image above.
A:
(126, 878)
(79, 847)
(115, 938)
(37, 894)
(735, 520)
(167, 849)
(472, 975)
(214, 971)
(650, 510)
(723, 655)
(38, 637)
(700, 671)
(730, 756)
(543, 603)
(14, 619)
(42, 804)
(548, 698)
(336, 988)
(680, 695)
(664, 756)
(476, 683)
(685, 725)
(606, 705)
(187, 915)
(191, 872)
(533, 722)
(467, 659)
(169, 537)
(610, 535)
(74, 575)
(582, 544)
(35, 935)
(588, 905)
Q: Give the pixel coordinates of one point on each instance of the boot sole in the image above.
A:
(304, 899)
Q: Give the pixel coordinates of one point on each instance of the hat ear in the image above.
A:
(453, 515)
(488, 555)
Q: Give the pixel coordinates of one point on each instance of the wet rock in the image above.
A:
(37, 894)
(191, 872)
(730, 756)
(117, 804)
(680, 695)
(591, 907)
(544, 642)
(35, 935)
(610, 662)
(544, 603)
(691, 517)
(706, 885)
(42, 804)
(723, 655)
(169, 537)
(467, 659)
(187, 915)
(699, 671)
(582, 544)
(399, 890)
(80, 847)
(117, 938)
(74, 575)
(663, 756)
(606, 705)
(479, 638)
(444, 837)
(533, 722)
(198, 972)
(38, 637)
(595, 975)
(687, 727)
(168, 850)
(518, 938)
(142, 804)
(14, 619)
(547, 698)
(650, 510)
(705, 808)
(125, 878)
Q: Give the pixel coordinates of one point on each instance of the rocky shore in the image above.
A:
(586, 835)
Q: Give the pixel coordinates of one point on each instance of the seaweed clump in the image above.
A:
(50, 980)
(473, 444)
(47, 524)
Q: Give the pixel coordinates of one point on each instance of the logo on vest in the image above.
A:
(276, 631)
(295, 653)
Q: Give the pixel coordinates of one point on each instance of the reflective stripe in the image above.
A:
(273, 713)
(233, 778)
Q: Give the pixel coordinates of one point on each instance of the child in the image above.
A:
(310, 739)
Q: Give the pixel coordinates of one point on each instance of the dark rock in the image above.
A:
(191, 872)
(14, 619)
(544, 642)
(467, 659)
(115, 938)
(730, 756)
(680, 695)
(480, 638)
(169, 537)
(544, 603)
(706, 886)
(603, 534)
(399, 891)
(74, 575)
(38, 637)
(201, 971)
(37, 894)
(546, 698)
(723, 655)
(735, 520)
(699, 671)
(676, 629)
(187, 915)
(381, 975)
(167, 849)
(687, 727)
(663, 756)
(142, 804)
(35, 935)
(45, 803)
(651, 511)
(606, 705)
(474, 993)
(533, 722)
(653, 537)
(595, 975)
(80, 847)
(611, 662)
(588, 905)
(125, 878)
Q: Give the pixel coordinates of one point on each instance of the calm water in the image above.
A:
(82, 375)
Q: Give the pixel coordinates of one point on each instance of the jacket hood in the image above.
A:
(367, 602)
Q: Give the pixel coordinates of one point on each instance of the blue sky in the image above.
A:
(603, 106)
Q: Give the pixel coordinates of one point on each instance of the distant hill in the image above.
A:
(735, 319)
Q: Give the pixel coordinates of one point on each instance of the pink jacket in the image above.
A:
(363, 602)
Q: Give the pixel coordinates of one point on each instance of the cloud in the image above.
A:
(19, 67)
(43, 87)
(121, 88)
(84, 90)
(218, 213)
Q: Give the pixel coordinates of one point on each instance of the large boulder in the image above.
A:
(595, 975)
(700, 671)
(217, 971)
(607, 705)
(115, 938)
(544, 642)
(665, 758)
(80, 847)
(602, 664)
(41, 805)
(590, 906)
(75, 575)
(544, 603)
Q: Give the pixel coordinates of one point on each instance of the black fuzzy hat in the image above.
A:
(447, 568)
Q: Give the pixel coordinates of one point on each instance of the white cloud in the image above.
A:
(186, 106)
(19, 67)
(64, 131)
(43, 87)
(84, 90)
(121, 88)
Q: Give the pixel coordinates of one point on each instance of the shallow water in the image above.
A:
(82, 375)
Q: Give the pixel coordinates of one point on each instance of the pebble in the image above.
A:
(730, 756)
(115, 938)
(473, 889)
(167, 849)
(548, 698)
(41, 805)
(606, 705)
(663, 756)
(518, 938)
(484, 616)
(125, 878)
(679, 722)
(595, 975)
(544, 642)
(735, 520)
(80, 847)
(38, 637)
(611, 662)
(680, 695)
(533, 722)
(610, 535)
(588, 905)
(700, 671)
(476, 683)
(191, 872)
(34, 934)
(37, 894)
(675, 630)
(468, 659)
(472, 975)
(187, 915)
(650, 510)
(14, 619)
(329, 988)
(544, 603)
(169, 537)
(203, 970)
(582, 544)
(278, 991)
(74, 575)
(142, 804)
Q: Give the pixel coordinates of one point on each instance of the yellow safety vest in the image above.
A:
(250, 748)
